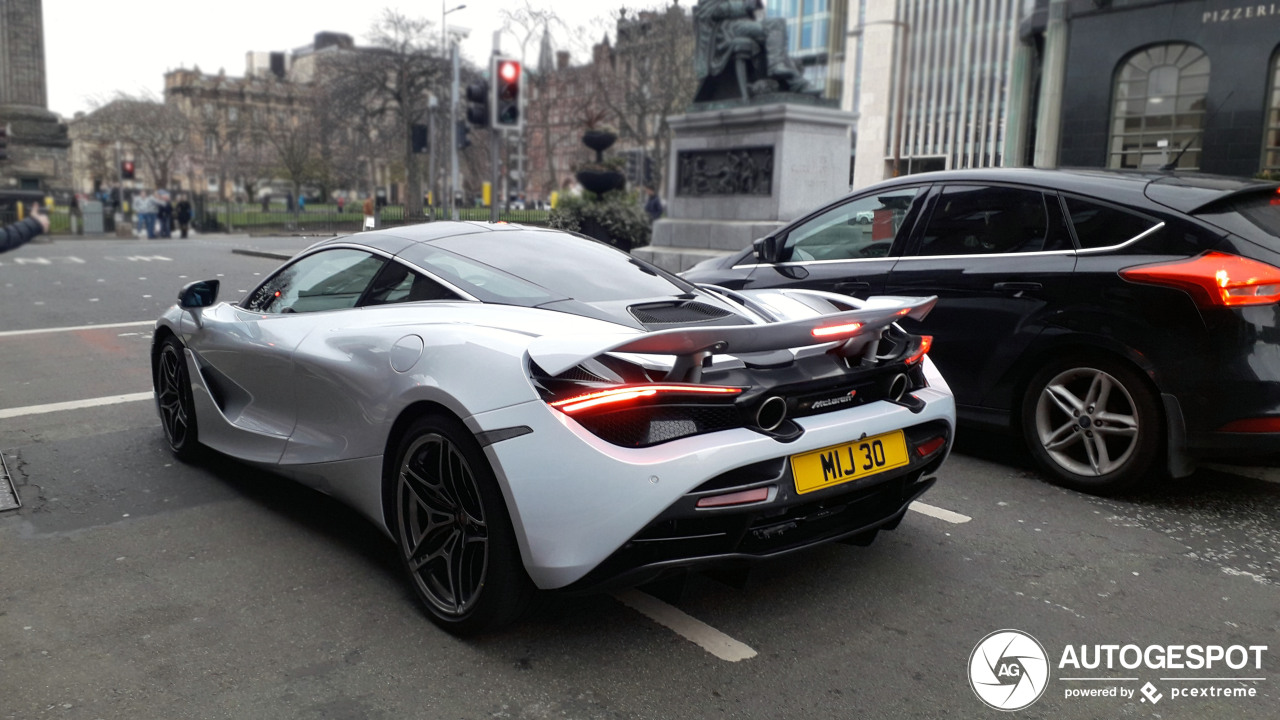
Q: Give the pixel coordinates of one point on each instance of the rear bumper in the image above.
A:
(685, 538)
(576, 501)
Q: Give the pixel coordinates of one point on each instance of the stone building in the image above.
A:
(560, 106)
(632, 84)
(37, 143)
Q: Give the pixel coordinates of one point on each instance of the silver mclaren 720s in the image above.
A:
(525, 410)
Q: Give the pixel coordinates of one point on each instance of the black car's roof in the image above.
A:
(1182, 191)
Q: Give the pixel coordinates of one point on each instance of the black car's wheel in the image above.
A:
(454, 532)
(174, 400)
(1093, 424)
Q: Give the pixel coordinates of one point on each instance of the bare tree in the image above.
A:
(648, 77)
(394, 78)
(293, 138)
(157, 132)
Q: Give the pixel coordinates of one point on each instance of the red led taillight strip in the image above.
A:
(836, 330)
(635, 392)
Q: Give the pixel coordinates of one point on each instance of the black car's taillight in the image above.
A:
(1214, 279)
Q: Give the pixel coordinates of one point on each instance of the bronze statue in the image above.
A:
(740, 54)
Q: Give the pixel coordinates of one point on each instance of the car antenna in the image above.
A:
(1173, 164)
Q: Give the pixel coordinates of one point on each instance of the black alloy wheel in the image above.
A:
(174, 400)
(453, 530)
(1093, 424)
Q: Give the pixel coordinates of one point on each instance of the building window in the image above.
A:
(1159, 109)
(1271, 141)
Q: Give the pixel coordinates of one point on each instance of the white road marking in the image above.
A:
(74, 328)
(940, 513)
(74, 405)
(691, 629)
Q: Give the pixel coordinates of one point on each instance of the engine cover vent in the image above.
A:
(676, 313)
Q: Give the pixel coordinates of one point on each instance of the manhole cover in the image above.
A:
(8, 494)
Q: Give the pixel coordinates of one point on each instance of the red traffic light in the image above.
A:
(126, 170)
(509, 70)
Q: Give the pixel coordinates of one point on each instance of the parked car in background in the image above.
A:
(1126, 323)
(523, 409)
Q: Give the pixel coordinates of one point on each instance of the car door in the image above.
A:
(849, 248)
(1000, 259)
(245, 352)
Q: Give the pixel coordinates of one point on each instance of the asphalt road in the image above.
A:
(135, 586)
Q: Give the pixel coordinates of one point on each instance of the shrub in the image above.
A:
(615, 218)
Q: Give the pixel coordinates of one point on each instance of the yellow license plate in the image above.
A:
(851, 461)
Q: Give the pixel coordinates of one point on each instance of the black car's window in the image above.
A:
(327, 280)
(398, 284)
(1099, 226)
(987, 220)
(862, 228)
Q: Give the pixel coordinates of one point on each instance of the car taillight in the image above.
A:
(1214, 279)
(833, 331)
(1253, 425)
(920, 348)
(625, 394)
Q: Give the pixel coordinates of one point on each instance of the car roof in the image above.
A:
(396, 239)
(1181, 191)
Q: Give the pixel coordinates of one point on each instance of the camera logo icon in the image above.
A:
(1008, 670)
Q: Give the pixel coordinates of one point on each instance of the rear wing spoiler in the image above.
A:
(557, 353)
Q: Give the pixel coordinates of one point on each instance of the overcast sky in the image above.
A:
(95, 48)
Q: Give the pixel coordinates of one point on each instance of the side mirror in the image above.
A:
(199, 294)
(766, 249)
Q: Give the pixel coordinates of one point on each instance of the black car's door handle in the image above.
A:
(1017, 286)
(852, 287)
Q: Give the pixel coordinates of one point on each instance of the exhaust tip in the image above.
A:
(898, 387)
(771, 413)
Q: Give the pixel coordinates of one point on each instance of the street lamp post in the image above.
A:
(453, 107)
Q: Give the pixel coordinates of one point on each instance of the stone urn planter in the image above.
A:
(598, 177)
(599, 140)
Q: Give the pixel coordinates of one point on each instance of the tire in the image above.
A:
(453, 531)
(1106, 448)
(174, 401)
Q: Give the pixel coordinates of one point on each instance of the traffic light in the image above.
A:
(464, 141)
(507, 74)
(126, 170)
(478, 104)
(420, 144)
(4, 142)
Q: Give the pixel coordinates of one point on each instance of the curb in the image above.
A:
(261, 253)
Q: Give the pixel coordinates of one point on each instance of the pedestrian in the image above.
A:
(182, 213)
(342, 201)
(11, 236)
(369, 221)
(653, 206)
(302, 202)
(146, 208)
(164, 213)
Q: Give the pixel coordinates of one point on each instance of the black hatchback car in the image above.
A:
(1127, 323)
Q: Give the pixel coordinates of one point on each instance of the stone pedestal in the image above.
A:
(739, 173)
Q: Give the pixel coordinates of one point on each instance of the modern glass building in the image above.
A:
(816, 38)
(931, 82)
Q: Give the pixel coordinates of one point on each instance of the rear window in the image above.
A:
(1100, 226)
(1255, 216)
(566, 265)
